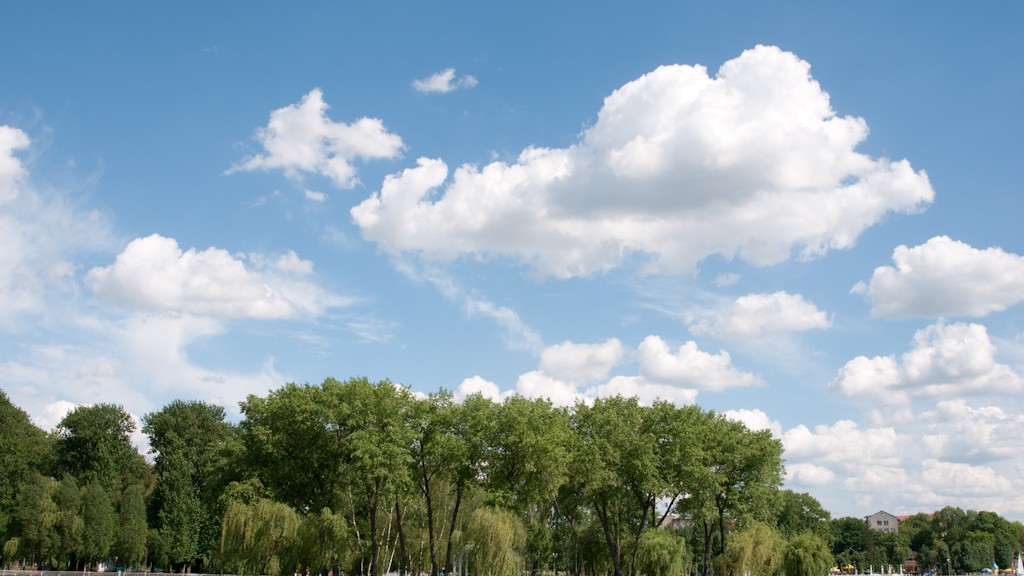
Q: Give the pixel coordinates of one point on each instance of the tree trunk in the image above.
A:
(614, 548)
(403, 559)
(430, 523)
(706, 569)
(374, 544)
(455, 519)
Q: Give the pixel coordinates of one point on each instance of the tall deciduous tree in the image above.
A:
(797, 513)
(293, 444)
(94, 445)
(748, 468)
(24, 450)
(68, 498)
(191, 443)
(619, 461)
(130, 542)
(36, 518)
(99, 521)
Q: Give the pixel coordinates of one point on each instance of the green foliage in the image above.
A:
(975, 551)
(756, 551)
(807, 555)
(800, 512)
(36, 518)
(663, 553)
(130, 544)
(321, 542)
(496, 539)
(193, 447)
(99, 523)
(24, 450)
(254, 535)
(851, 538)
(70, 525)
(94, 445)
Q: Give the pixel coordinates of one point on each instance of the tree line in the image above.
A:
(366, 478)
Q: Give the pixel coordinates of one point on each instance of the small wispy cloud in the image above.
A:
(444, 81)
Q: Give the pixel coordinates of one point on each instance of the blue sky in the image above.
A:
(803, 215)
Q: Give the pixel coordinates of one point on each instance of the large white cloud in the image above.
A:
(301, 139)
(679, 165)
(689, 367)
(153, 273)
(944, 277)
(844, 445)
(945, 361)
(759, 315)
(581, 363)
(11, 169)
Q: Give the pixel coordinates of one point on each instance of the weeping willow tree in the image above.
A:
(756, 551)
(254, 534)
(807, 555)
(321, 541)
(496, 539)
(663, 553)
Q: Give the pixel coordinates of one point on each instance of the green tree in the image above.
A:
(372, 419)
(68, 498)
(94, 445)
(321, 541)
(618, 459)
(293, 445)
(99, 522)
(748, 469)
(850, 541)
(36, 518)
(130, 541)
(800, 512)
(496, 538)
(757, 550)
(192, 446)
(24, 450)
(976, 550)
(662, 553)
(255, 534)
(806, 555)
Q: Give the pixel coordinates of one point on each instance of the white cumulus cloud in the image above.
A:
(482, 386)
(944, 277)
(581, 363)
(680, 165)
(154, 273)
(945, 360)
(444, 81)
(755, 420)
(689, 367)
(759, 315)
(844, 444)
(300, 139)
(806, 474)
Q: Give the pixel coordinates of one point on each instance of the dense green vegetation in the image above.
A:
(364, 478)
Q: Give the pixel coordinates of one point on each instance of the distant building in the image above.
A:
(882, 521)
